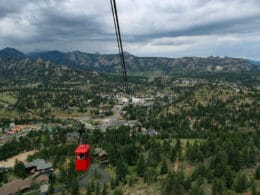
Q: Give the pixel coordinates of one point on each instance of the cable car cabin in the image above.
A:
(83, 160)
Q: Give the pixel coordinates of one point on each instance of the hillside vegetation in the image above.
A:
(187, 133)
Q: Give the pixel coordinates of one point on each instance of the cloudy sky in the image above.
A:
(171, 28)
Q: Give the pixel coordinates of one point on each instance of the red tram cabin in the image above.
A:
(83, 160)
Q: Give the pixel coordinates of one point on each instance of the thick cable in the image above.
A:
(119, 43)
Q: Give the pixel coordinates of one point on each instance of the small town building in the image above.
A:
(42, 179)
(72, 137)
(100, 154)
(38, 165)
(11, 125)
(16, 128)
(15, 186)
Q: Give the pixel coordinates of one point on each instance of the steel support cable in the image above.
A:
(119, 43)
(117, 37)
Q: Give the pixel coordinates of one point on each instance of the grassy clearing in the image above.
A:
(8, 97)
(191, 141)
(205, 94)
(64, 114)
(111, 171)
(141, 188)
(9, 114)
(21, 157)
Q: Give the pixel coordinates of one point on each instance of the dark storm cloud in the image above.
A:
(169, 26)
(54, 25)
(9, 7)
(242, 25)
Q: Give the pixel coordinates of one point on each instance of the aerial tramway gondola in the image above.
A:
(83, 159)
(82, 152)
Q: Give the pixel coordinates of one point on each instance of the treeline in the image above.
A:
(38, 140)
(71, 99)
(216, 114)
(15, 147)
(220, 159)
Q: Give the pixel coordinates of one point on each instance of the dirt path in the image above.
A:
(176, 165)
(21, 157)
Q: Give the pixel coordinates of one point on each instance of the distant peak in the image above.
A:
(54, 51)
(77, 52)
(10, 49)
(9, 52)
(214, 57)
(127, 53)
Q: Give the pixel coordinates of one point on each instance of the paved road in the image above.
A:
(83, 180)
(104, 177)
(106, 122)
(112, 121)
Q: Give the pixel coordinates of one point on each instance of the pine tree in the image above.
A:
(112, 183)
(75, 187)
(252, 157)
(2, 173)
(131, 181)
(196, 189)
(221, 161)
(210, 175)
(19, 169)
(178, 147)
(118, 192)
(173, 154)
(257, 172)
(104, 191)
(166, 147)
(164, 167)
(62, 175)
(121, 170)
(92, 186)
(140, 169)
(241, 183)
(97, 189)
(89, 190)
(228, 174)
(50, 189)
(253, 189)
(218, 186)
(117, 181)
(187, 183)
(168, 184)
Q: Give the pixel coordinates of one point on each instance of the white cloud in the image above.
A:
(228, 38)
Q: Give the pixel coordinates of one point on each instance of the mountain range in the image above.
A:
(110, 63)
(255, 62)
(17, 69)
